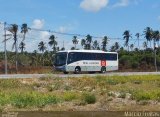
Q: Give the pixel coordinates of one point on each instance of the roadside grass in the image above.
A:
(27, 99)
(38, 93)
(146, 95)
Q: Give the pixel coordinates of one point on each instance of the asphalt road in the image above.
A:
(3, 76)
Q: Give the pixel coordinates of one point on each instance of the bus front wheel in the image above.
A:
(77, 70)
(103, 69)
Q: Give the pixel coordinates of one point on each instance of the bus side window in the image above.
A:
(70, 57)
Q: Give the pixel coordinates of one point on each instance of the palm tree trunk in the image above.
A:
(5, 50)
(138, 44)
(42, 59)
(16, 51)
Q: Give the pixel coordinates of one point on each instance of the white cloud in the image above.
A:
(66, 28)
(121, 3)
(38, 23)
(63, 29)
(44, 35)
(93, 5)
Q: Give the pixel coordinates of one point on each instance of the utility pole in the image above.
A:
(155, 59)
(5, 50)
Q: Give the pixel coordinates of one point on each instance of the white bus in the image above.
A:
(86, 60)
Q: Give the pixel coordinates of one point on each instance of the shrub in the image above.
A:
(69, 96)
(134, 64)
(89, 98)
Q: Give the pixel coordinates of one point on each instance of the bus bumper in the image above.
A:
(59, 68)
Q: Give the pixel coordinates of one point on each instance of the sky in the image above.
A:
(94, 17)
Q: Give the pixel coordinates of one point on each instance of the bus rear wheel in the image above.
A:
(77, 70)
(103, 69)
(65, 72)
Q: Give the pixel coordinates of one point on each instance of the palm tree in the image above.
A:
(112, 49)
(104, 43)
(131, 47)
(75, 41)
(62, 48)
(53, 43)
(126, 36)
(88, 41)
(83, 43)
(145, 45)
(148, 34)
(116, 46)
(95, 45)
(138, 35)
(35, 58)
(14, 29)
(42, 48)
(24, 30)
(22, 46)
(156, 37)
(72, 48)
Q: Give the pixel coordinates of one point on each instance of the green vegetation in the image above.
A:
(131, 56)
(84, 93)
(89, 98)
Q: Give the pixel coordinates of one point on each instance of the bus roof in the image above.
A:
(89, 51)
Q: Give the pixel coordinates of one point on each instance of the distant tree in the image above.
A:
(127, 36)
(112, 49)
(117, 46)
(95, 45)
(145, 45)
(83, 43)
(72, 48)
(138, 35)
(88, 42)
(62, 48)
(34, 57)
(131, 47)
(104, 43)
(14, 29)
(22, 46)
(75, 41)
(42, 48)
(24, 30)
(57, 49)
(53, 42)
(148, 34)
(156, 37)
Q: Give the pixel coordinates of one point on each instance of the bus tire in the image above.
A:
(77, 70)
(103, 69)
(65, 72)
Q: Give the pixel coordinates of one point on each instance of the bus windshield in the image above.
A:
(60, 59)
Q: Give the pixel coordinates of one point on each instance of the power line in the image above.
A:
(70, 34)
